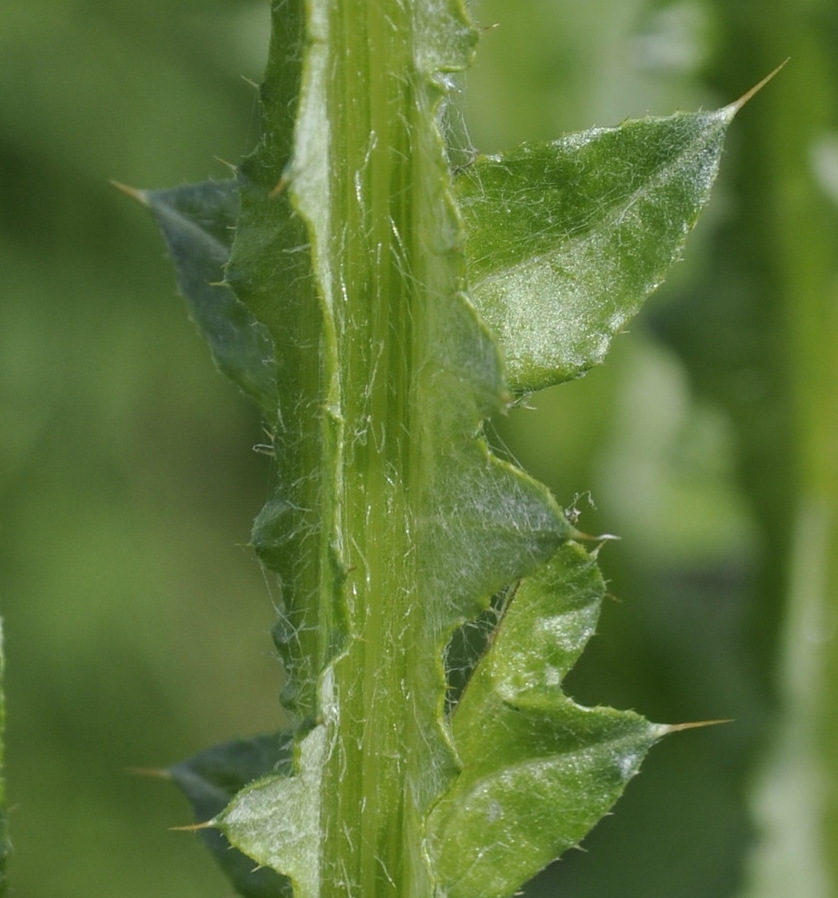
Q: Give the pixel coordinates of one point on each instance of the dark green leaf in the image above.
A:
(211, 779)
(198, 222)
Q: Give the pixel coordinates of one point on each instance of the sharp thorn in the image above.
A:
(598, 538)
(233, 168)
(678, 727)
(156, 772)
(738, 104)
(139, 195)
(281, 185)
(194, 827)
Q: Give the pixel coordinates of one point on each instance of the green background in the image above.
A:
(136, 620)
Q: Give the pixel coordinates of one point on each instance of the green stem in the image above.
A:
(368, 177)
(383, 141)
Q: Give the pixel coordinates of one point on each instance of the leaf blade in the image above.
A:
(567, 239)
(538, 770)
(198, 222)
(210, 780)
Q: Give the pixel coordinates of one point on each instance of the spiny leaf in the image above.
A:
(538, 770)
(567, 239)
(276, 820)
(211, 779)
(270, 271)
(198, 222)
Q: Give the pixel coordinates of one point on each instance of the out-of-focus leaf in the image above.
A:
(198, 223)
(565, 240)
(5, 845)
(538, 770)
(210, 780)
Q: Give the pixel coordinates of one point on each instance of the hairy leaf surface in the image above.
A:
(211, 779)
(565, 240)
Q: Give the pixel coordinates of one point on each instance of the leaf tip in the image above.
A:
(738, 104)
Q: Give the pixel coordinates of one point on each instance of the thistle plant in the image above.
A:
(380, 303)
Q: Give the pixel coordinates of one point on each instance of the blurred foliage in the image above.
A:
(135, 623)
(5, 845)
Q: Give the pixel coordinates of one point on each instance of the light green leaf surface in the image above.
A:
(211, 779)
(198, 222)
(277, 821)
(565, 240)
(538, 770)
